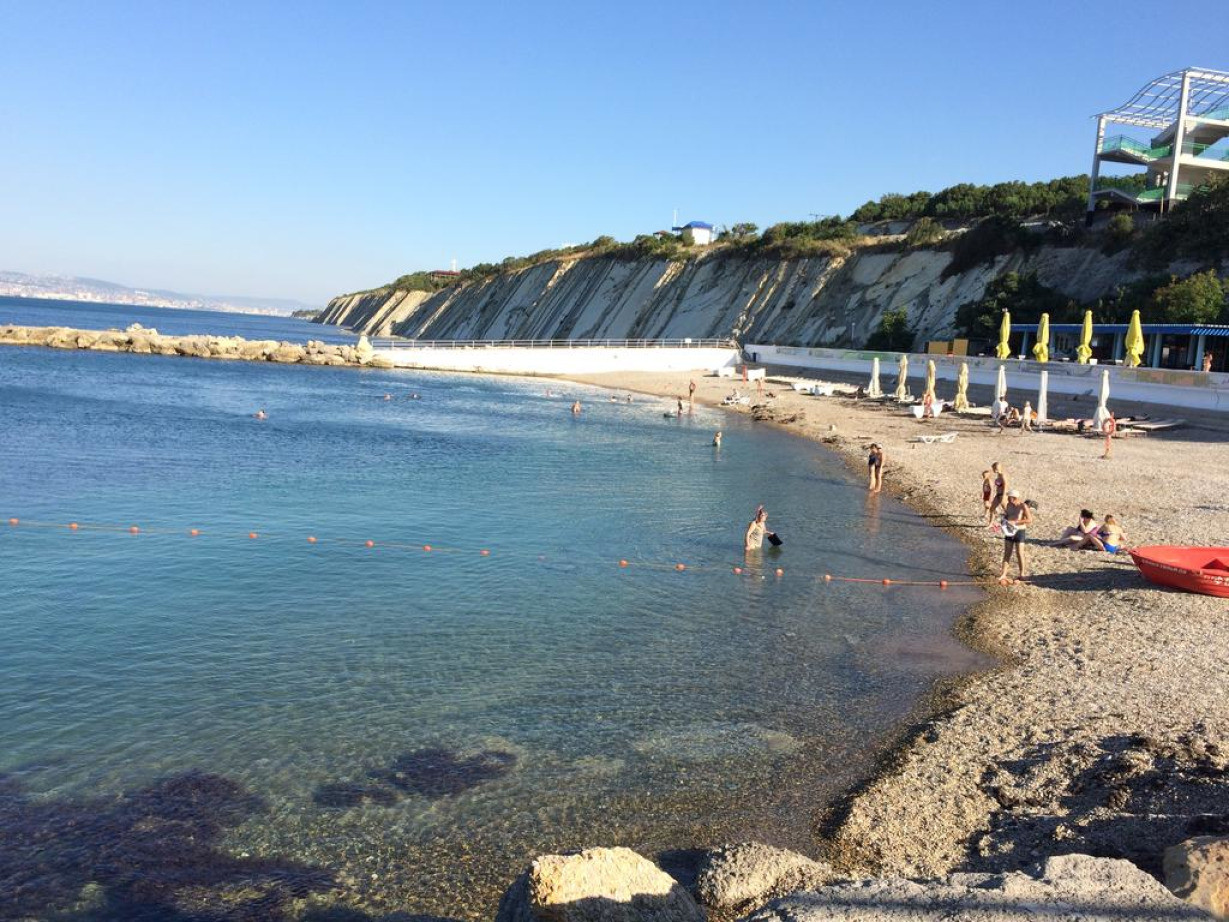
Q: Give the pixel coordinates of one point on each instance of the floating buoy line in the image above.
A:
(423, 548)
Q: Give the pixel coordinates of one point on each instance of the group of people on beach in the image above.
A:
(1015, 514)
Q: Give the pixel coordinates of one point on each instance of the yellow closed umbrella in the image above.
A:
(1135, 341)
(1041, 350)
(1003, 350)
(902, 379)
(930, 380)
(962, 388)
(1084, 350)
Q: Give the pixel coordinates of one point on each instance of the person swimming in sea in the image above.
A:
(261, 414)
(576, 408)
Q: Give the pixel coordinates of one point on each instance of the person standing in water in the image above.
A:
(717, 439)
(753, 539)
(874, 466)
(576, 408)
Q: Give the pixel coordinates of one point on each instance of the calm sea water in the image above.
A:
(245, 728)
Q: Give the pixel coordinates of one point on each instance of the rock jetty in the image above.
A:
(140, 340)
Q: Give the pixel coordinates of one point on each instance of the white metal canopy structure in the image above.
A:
(1189, 111)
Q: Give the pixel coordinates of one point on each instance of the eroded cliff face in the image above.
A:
(811, 302)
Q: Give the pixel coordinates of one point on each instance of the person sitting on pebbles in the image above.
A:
(1111, 534)
(1081, 535)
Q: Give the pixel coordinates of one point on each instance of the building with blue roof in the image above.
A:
(699, 233)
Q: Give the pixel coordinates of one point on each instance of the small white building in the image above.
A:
(697, 233)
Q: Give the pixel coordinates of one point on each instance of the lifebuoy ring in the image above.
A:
(1109, 426)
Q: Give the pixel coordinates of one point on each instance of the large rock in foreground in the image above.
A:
(597, 885)
(1069, 888)
(741, 877)
(1198, 871)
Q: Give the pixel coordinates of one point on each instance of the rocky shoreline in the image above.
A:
(139, 340)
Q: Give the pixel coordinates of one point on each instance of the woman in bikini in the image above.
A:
(1000, 490)
(874, 467)
(1082, 534)
(1111, 535)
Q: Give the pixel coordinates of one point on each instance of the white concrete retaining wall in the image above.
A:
(1192, 389)
(559, 359)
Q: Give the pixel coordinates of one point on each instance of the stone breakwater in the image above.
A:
(143, 341)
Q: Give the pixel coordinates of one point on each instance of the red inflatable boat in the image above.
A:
(1196, 569)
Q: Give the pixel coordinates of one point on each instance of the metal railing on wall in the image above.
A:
(688, 343)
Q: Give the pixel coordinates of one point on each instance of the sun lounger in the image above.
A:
(945, 439)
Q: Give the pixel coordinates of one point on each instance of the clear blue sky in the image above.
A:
(301, 149)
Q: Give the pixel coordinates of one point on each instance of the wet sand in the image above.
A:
(1104, 729)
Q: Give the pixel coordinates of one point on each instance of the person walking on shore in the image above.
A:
(1017, 516)
(874, 466)
(691, 396)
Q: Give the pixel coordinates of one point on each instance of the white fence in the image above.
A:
(1190, 389)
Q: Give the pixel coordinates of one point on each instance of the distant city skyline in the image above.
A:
(303, 150)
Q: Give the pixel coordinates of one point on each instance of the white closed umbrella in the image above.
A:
(1103, 411)
(902, 382)
(1000, 389)
(874, 390)
(1042, 408)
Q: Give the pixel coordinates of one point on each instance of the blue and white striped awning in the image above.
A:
(1174, 329)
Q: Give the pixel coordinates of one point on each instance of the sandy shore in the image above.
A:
(1106, 729)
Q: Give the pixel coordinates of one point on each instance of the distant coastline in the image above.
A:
(98, 291)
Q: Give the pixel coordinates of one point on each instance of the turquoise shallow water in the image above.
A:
(399, 729)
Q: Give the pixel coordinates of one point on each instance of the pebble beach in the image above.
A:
(1103, 728)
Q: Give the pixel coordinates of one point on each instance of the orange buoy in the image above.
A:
(14, 521)
(680, 566)
(780, 572)
(253, 535)
(134, 529)
(887, 582)
(738, 571)
(194, 532)
(484, 552)
(426, 547)
(623, 563)
(942, 584)
(311, 539)
(72, 526)
(371, 543)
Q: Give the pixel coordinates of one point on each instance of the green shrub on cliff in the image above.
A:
(1197, 228)
(1200, 298)
(893, 334)
(1024, 296)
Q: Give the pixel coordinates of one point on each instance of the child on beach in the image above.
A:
(1000, 490)
(987, 492)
